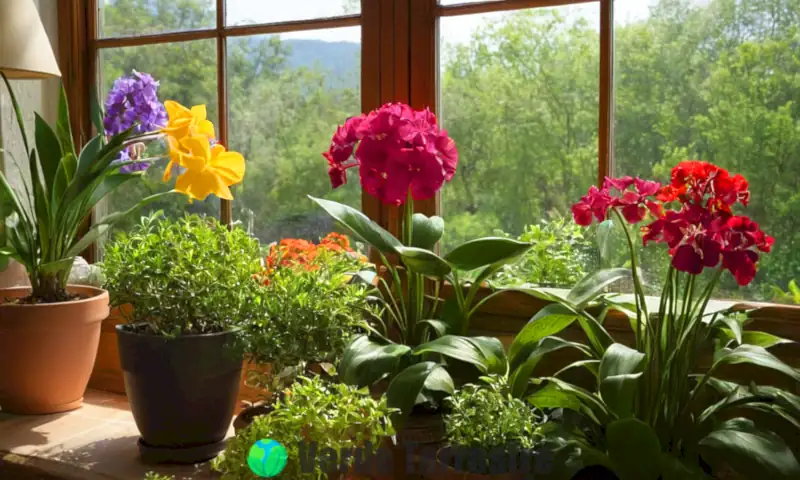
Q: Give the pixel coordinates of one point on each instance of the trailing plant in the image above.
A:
(314, 421)
(43, 219)
(486, 415)
(186, 276)
(403, 156)
(314, 307)
(558, 258)
(657, 411)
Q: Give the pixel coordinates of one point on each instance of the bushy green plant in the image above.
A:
(792, 295)
(186, 276)
(334, 416)
(312, 316)
(487, 416)
(559, 256)
(158, 476)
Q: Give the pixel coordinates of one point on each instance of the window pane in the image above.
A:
(287, 95)
(718, 82)
(187, 73)
(248, 12)
(520, 97)
(457, 2)
(122, 18)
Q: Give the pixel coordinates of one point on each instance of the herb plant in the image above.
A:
(334, 416)
(487, 416)
(186, 276)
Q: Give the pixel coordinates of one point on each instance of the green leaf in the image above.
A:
(109, 184)
(8, 197)
(634, 449)
(89, 155)
(438, 326)
(550, 396)
(548, 321)
(733, 324)
(593, 407)
(620, 370)
(360, 226)
(17, 113)
(672, 468)
(65, 264)
(482, 353)
(525, 362)
(96, 111)
(757, 356)
(63, 127)
(605, 238)
(408, 384)
(750, 451)
(423, 262)
(364, 361)
(486, 251)
(427, 231)
(64, 175)
(94, 233)
(758, 339)
(440, 381)
(49, 151)
(593, 284)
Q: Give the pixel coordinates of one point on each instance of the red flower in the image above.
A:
(400, 150)
(633, 204)
(705, 184)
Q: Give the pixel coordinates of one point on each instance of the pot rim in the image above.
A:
(121, 328)
(98, 294)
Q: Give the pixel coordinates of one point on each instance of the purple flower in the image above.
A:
(124, 156)
(132, 101)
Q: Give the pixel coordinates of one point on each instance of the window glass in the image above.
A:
(287, 95)
(248, 12)
(187, 73)
(122, 18)
(519, 95)
(717, 81)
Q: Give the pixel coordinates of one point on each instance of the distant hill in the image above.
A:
(341, 59)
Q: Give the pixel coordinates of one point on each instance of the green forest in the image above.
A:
(718, 82)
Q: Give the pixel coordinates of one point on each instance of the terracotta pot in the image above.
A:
(47, 351)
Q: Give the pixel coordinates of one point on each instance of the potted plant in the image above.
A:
(317, 296)
(49, 331)
(421, 344)
(666, 406)
(491, 434)
(189, 286)
(328, 431)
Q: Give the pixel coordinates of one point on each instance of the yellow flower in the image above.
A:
(175, 154)
(208, 169)
(184, 122)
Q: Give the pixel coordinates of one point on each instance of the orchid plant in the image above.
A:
(663, 407)
(402, 157)
(43, 219)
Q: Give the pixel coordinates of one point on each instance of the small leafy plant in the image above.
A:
(487, 416)
(186, 276)
(792, 295)
(332, 418)
(158, 476)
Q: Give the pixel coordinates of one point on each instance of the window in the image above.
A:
(716, 81)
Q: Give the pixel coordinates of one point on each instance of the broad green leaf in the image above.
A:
(634, 449)
(596, 333)
(63, 127)
(94, 233)
(620, 370)
(96, 111)
(438, 326)
(360, 226)
(605, 238)
(41, 202)
(621, 360)
(407, 386)
(111, 183)
(364, 361)
(593, 366)
(8, 198)
(550, 396)
(523, 365)
(592, 405)
(548, 321)
(493, 351)
(423, 262)
(64, 175)
(757, 356)
(441, 381)
(593, 284)
(750, 451)
(17, 113)
(88, 155)
(672, 468)
(733, 324)
(758, 339)
(49, 151)
(486, 251)
(480, 353)
(427, 231)
(65, 264)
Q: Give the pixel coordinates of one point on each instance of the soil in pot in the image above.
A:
(182, 392)
(47, 350)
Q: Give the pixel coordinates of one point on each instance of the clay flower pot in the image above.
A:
(47, 351)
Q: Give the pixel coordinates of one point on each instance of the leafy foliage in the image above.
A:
(792, 295)
(486, 415)
(158, 476)
(334, 416)
(185, 276)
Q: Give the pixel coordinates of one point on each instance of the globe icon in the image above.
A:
(267, 458)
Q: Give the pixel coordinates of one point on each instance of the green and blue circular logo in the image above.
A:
(267, 458)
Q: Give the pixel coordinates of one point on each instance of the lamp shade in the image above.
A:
(25, 50)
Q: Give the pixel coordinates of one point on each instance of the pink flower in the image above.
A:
(634, 204)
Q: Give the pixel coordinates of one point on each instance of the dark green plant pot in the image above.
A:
(182, 392)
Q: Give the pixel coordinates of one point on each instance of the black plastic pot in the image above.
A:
(182, 392)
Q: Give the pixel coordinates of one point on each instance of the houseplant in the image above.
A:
(666, 407)
(188, 284)
(403, 156)
(314, 306)
(43, 220)
(327, 429)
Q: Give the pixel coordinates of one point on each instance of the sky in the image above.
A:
(454, 29)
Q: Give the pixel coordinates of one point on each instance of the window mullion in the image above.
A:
(606, 120)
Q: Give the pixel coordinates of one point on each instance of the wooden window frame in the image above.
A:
(399, 63)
